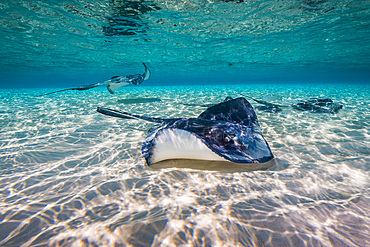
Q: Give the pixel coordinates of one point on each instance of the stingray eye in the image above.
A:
(228, 138)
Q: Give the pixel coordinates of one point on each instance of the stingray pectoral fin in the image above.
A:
(126, 115)
(237, 111)
(113, 86)
(147, 73)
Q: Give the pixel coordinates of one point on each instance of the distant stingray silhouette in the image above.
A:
(113, 84)
(318, 105)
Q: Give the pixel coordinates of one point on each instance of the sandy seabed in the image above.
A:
(72, 177)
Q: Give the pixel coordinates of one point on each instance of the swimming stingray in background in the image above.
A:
(227, 132)
(114, 83)
(318, 105)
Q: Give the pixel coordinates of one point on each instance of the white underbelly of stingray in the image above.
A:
(181, 144)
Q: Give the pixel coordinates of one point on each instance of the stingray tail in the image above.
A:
(81, 88)
(249, 97)
(126, 115)
(54, 92)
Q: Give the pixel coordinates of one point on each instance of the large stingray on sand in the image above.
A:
(227, 132)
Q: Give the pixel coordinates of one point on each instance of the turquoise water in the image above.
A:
(72, 177)
(69, 43)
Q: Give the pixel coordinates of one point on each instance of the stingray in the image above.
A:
(228, 132)
(318, 105)
(112, 84)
